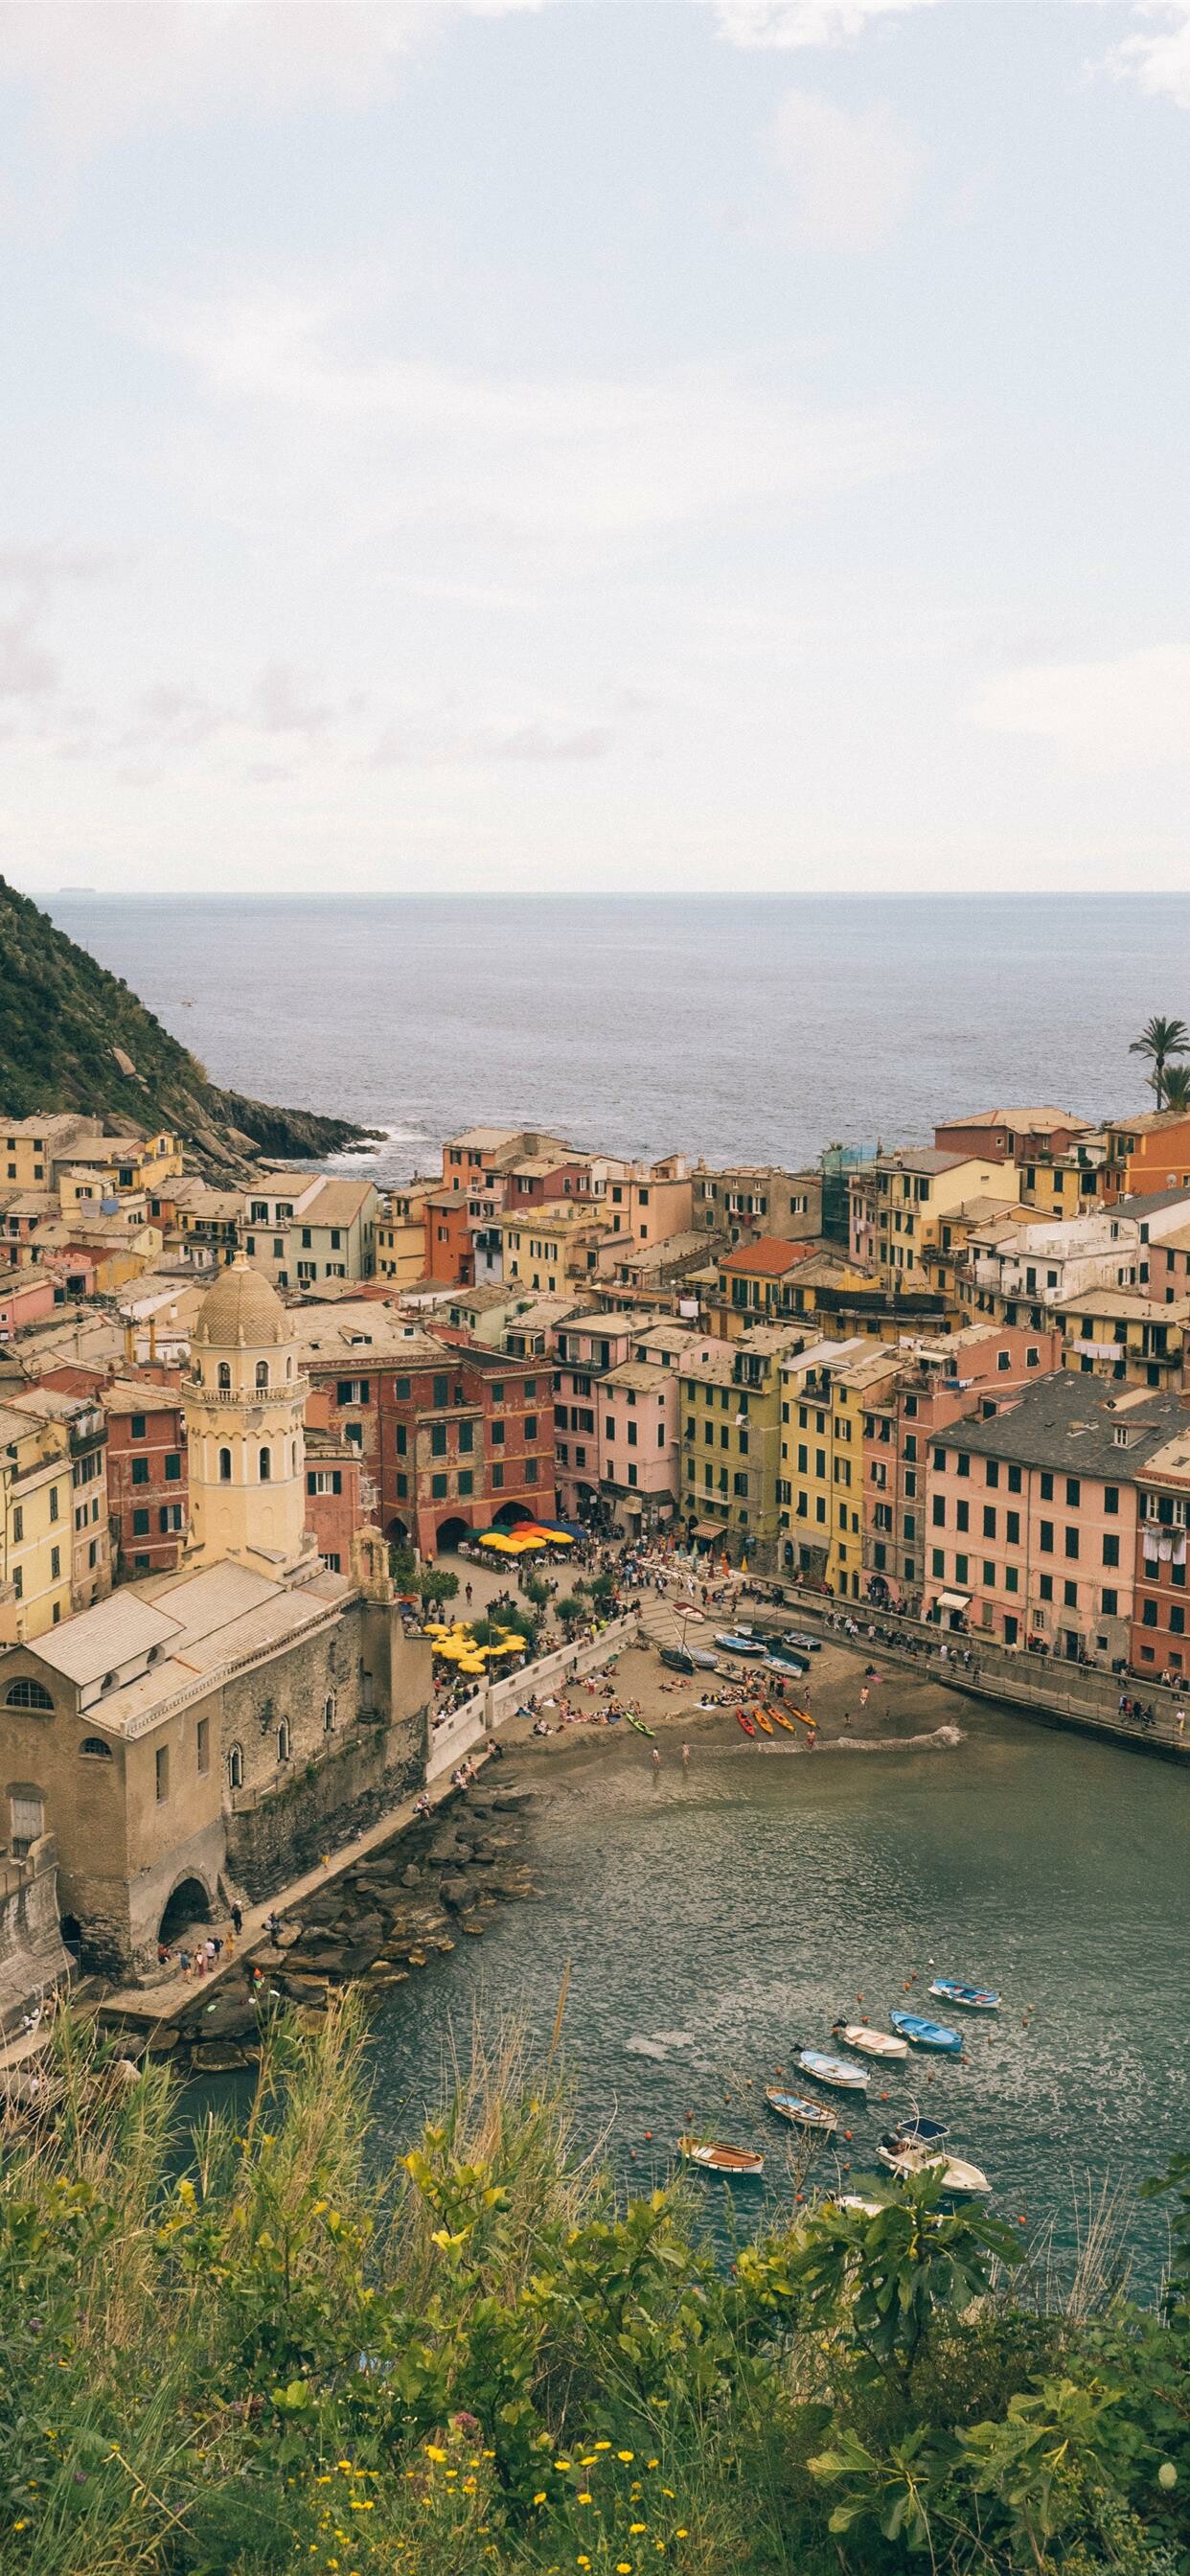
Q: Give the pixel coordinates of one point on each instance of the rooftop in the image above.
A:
(641, 1376)
(1070, 1422)
(1022, 1122)
(195, 1625)
(338, 1202)
(133, 1395)
(766, 1258)
(928, 1159)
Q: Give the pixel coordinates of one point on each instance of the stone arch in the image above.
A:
(223, 1376)
(26, 1693)
(262, 1374)
(235, 1766)
(450, 1531)
(95, 1748)
(510, 1513)
(189, 1901)
(397, 1532)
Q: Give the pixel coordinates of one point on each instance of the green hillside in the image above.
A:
(74, 1037)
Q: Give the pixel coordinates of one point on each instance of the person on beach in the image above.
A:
(656, 1758)
(685, 1757)
(237, 1919)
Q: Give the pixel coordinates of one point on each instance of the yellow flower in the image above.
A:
(560, 2465)
(582, 2562)
(584, 2496)
(539, 2498)
(682, 2533)
(603, 2446)
(634, 2527)
(469, 2485)
(623, 2567)
(431, 2449)
(625, 2455)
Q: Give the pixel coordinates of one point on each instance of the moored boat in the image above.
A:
(927, 2034)
(871, 2043)
(740, 2163)
(842, 2072)
(804, 2113)
(908, 2156)
(952, 1990)
(734, 1643)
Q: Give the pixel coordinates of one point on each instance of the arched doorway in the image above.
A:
(72, 1934)
(509, 1514)
(397, 1532)
(449, 1534)
(188, 1904)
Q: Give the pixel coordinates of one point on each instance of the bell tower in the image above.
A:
(244, 1404)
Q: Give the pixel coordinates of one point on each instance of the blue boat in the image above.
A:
(804, 2113)
(927, 2034)
(839, 2071)
(951, 1990)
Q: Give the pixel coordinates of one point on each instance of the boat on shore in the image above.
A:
(733, 1642)
(927, 2034)
(801, 2110)
(952, 1990)
(841, 2072)
(871, 2043)
(763, 1720)
(740, 2164)
(779, 1718)
(742, 1719)
(639, 1724)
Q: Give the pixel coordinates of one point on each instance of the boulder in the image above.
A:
(456, 1893)
(475, 1930)
(411, 1877)
(162, 2040)
(288, 1934)
(447, 1847)
(214, 2057)
(228, 2016)
(359, 1956)
(508, 1882)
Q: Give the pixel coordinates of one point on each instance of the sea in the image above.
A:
(750, 1028)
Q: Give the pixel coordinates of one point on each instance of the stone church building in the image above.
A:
(210, 1732)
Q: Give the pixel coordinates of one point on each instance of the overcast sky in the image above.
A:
(576, 446)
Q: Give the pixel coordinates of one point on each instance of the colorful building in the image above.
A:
(35, 1523)
(756, 1284)
(730, 1440)
(750, 1200)
(148, 1494)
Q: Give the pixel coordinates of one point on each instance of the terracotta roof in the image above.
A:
(767, 1257)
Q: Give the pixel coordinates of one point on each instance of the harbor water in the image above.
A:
(713, 1921)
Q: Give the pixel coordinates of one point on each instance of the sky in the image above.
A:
(532, 446)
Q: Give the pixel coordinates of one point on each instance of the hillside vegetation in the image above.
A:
(74, 1037)
(272, 2350)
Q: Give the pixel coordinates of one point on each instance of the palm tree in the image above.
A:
(1159, 1040)
(1176, 1087)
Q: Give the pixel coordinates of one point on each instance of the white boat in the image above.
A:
(839, 2071)
(871, 2043)
(953, 1990)
(908, 2157)
(854, 2201)
(739, 2162)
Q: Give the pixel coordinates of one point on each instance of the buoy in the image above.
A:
(1021, 2219)
(884, 2097)
(847, 2134)
(648, 2133)
(906, 1985)
(801, 2195)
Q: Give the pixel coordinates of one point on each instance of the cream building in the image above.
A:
(244, 1405)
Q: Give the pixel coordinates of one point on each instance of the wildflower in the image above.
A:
(623, 2567)
(603, 2446)
(433, 2452)
(634, 2527)
(560, 2465)
(652, 2464)
(584, 2495)
(681, 2532)
(539, 2498)
(625, 2455)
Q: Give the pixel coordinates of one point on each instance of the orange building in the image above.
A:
(1148, 1153)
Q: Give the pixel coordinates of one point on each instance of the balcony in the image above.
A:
(252, 1398)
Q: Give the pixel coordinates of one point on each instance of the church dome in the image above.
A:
(241, 1312)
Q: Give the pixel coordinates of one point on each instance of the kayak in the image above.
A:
(763, 1719)
(927, 2034)
(779, 1718)
(742, 1720)
(639, 1724)
(740, 2162)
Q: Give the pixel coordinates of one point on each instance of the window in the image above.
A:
(1045, 1586)
(1012, 1580)
(1070, 1595)
(466, 1481)
(1047, 1487)
(1148, 1616)
(1111, 1549)
(467, 1437)
(441, 1391)
(355, 1390)
(991, 1473)
(173, 1467)
(140, 1471)
(53, 1502)
(962, 1462)
(989, 1520)
(140, 1524)
(938, 1563)
(162, 1768)
(531, 1429)
(1012, 1528)
(580, 1460)
(960, 1569)
(1072, 1542)
(401, 1390)
(581, 1387)
(1045, 1537)
(262, 1373)
(438, 1440)
(202, 1746)
(224, 1376)
(496, 1434)
(265, 1466)
(235, 1766)
(1014, 1480)
(1111, 1604)
(962, 1516)
(55, 1564)
(225, 1466)
(1177, 1618)
(95, 1748)
(27, 1694)
(138, 1426)
(1111, 1503)
(439, 1487)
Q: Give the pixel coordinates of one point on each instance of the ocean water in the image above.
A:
(736, 1027)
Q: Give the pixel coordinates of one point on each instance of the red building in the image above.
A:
(451, 1439)
(147, 1494)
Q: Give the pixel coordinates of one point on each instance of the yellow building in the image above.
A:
(729, 1411)
(1122, 1334)
(545, 1248)
(899, 1205)
(401, 1234)
(756, 1283)
(825, 1390)
(35, 1525)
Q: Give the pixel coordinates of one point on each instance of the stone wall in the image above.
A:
(32, 1954)
(276, 1835)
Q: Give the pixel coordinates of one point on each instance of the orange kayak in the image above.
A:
(763, 1719)
(779, 1719)
(745, 1722)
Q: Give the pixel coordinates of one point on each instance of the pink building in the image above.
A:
(944, 1380)
(26, 1297)
(639, 1424)
(588, 1348)
(1032, 1535)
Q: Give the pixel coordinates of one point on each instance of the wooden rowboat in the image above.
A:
(741, 2163)
(804, 2113)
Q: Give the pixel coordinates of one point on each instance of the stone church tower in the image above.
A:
(244, 1404)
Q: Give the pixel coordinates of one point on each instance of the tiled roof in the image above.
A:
(1068, 1422)
(767, 1258)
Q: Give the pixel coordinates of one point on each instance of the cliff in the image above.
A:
(74, 1037)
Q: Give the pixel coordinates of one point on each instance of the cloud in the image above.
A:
(851, 174)
(427, 742)
(1158, 60)
(26, 669)
(303, 430)
(1105, 717)
(787, 26)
